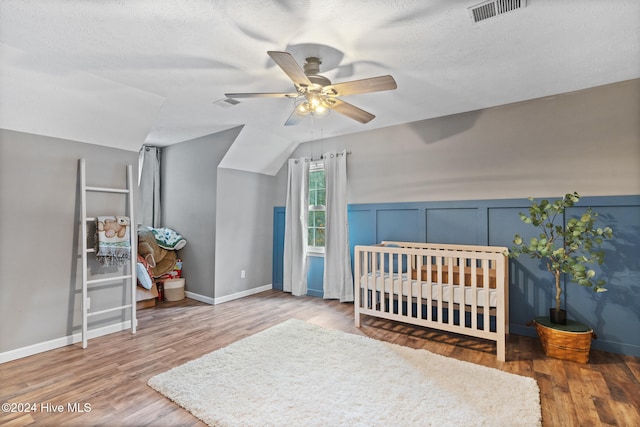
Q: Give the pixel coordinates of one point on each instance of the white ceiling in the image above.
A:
(126, 73)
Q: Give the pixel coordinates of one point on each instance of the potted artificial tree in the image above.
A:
(568, 248)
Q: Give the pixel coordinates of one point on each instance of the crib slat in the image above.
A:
(430, 262)
(439, 261)
(371, 280)
(403, 261)
(474, 294)
(486, 313)
(462, 264)
(450, 311)
(357, 285)
(398, 274)
(366, 300)
(418, 266)
(400, 290)
(375, 272)
(390, 295)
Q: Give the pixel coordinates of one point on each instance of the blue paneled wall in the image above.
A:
(614, 315)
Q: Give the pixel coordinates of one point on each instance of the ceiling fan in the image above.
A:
(315, 94)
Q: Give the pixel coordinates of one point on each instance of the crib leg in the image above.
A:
(501, 347)
(357, 319)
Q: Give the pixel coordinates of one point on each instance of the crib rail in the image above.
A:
(454, 288)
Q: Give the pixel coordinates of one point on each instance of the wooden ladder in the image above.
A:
(131, 277)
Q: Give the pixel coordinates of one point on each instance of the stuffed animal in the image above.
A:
(162, 261)
(113, 227)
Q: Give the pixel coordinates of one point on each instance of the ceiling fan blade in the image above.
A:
(262, 95)
(293, 119)
(289, 65)
(351, 111)
(373, 84)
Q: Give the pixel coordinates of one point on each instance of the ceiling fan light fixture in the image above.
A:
(321, 111)
(311, 104)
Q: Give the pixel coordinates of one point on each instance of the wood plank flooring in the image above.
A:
(110, 375)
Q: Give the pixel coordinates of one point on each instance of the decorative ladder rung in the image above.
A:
(107, 190)
(108, 279)
(109, 310)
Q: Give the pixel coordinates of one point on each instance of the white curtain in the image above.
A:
(149, 186)
(337, 280)
(295, 229)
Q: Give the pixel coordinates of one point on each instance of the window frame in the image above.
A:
(316, 250)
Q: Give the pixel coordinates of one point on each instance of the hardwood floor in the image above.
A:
(105, 384)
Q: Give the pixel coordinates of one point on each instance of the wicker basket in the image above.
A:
(565, 345)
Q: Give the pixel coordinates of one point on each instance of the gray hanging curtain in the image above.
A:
(149, 186)
(295, 229)
(337, 280)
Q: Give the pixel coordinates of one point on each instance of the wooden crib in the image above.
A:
(455, 288)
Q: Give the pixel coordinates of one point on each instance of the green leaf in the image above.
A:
(567, 247)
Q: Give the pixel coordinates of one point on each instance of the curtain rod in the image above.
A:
(322, 156)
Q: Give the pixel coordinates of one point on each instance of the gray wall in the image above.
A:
(40, 265)
(244, 232)
(189, 203)
(586, 141)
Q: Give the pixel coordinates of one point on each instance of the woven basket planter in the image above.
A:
(566, 345)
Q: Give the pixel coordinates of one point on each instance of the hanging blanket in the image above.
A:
(113, 240)
(167, 238)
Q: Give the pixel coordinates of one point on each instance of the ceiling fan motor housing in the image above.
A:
(311, 69)
(312, 66)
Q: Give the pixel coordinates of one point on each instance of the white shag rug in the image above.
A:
(299, 374)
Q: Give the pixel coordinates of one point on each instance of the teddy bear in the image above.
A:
(114, 227)
(161, 261)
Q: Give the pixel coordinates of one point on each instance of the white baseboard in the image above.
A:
(30, 350)
(226, 298)
(198, 297)
(243, 294)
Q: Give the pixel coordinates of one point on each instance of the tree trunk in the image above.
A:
(558, 289)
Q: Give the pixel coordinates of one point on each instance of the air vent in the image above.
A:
(232, 101)
(489, 9)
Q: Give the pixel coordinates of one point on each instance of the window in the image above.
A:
(317, 208)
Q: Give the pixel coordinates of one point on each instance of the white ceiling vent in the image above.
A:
(491, 8)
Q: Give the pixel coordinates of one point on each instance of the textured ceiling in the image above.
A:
(125, 73)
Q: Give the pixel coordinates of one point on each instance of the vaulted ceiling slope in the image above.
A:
(126, 73)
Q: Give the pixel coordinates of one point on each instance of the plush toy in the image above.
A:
(162, 261)
(113, 227)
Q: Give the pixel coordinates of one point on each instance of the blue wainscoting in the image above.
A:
(614, 315)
